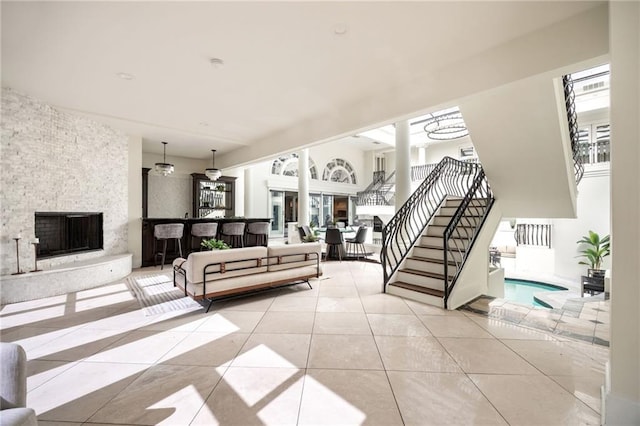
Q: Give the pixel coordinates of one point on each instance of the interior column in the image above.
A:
(248, 193)
(134, 204)
(403, 163)
(303, 187)
(422, 155)
(623, 398)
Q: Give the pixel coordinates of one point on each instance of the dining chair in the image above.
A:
(334, 241)
(357, 242)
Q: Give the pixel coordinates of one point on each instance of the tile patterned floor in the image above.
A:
(340, 353)
(584, 319)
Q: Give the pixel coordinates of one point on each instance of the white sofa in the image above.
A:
(218, 273)
(13, 398)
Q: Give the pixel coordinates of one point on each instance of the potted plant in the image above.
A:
(213, 244)
(310, 238)
(595, 251)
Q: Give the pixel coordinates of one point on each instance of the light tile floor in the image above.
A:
(340, 353)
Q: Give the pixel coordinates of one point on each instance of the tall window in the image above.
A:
(287, 165)
(339, 170)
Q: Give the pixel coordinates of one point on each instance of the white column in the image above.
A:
(135, 200)
(403, 163)
(303, 187)
(248, 193)
(623, 398)
(422, 155)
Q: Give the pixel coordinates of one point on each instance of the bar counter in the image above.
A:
(189, 243)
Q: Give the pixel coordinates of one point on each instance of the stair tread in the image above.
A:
(458, 226)
(430, 246)
(464, 215)
(431, 260)
(440, 237)
(424, 273)
(419, 289)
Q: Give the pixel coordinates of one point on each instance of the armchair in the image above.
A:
(13, 398)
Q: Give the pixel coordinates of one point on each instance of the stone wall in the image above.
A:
(55, 161)
(170, 196)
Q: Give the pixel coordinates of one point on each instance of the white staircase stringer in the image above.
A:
(473, 280)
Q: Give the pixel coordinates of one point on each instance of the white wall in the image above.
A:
(437, 151)
(58, 162)
(623, 398)
(521, 138)
(593, 214)
(171, 196)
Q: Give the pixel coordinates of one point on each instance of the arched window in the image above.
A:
(339, 170)
(287, 165)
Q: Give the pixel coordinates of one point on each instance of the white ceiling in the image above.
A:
(284, 64)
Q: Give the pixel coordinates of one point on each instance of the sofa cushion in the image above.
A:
(293, 256)
(196, 262)
(247, 282)
(18, 417)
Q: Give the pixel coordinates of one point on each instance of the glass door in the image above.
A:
(314, 210)
(327, 210)
(276, 207)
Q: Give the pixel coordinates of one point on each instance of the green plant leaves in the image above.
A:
(213, 244)
(598, 248)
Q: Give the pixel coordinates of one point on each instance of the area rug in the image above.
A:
(156, 294)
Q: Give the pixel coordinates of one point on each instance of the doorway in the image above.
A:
(340, 209)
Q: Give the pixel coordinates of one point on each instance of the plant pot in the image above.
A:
(596, 273)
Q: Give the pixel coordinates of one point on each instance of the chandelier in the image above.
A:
(212, 173)
(164, 168)
(446, 126)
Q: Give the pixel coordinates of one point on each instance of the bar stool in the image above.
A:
(233, 234)
(166, 231)
(203, 230)
(258, 233)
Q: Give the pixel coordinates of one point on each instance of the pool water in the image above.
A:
(522, 291)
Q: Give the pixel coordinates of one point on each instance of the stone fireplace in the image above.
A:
(65, 233)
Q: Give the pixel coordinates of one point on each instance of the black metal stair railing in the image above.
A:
(422, 171)
(572, 117)
(449, 178)
(377, 193)
(460, 234)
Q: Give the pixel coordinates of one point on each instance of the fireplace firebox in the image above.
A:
(62, 233)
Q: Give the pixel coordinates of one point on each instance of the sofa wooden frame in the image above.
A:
(260, 262)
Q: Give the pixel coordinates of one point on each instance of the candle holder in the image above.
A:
(18, 272)
(35, 257)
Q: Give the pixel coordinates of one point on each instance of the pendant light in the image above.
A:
(164, 168)
(212, 173)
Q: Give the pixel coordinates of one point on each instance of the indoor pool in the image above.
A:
(522, 291)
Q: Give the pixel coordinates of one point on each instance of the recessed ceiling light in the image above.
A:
(340, 28)
(216, 62)
(203, 123)
(125, 76)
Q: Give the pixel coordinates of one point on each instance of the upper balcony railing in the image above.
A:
(594, 145)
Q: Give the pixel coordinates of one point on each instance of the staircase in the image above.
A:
(427, 242)
(380, 192)
(422, 276)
